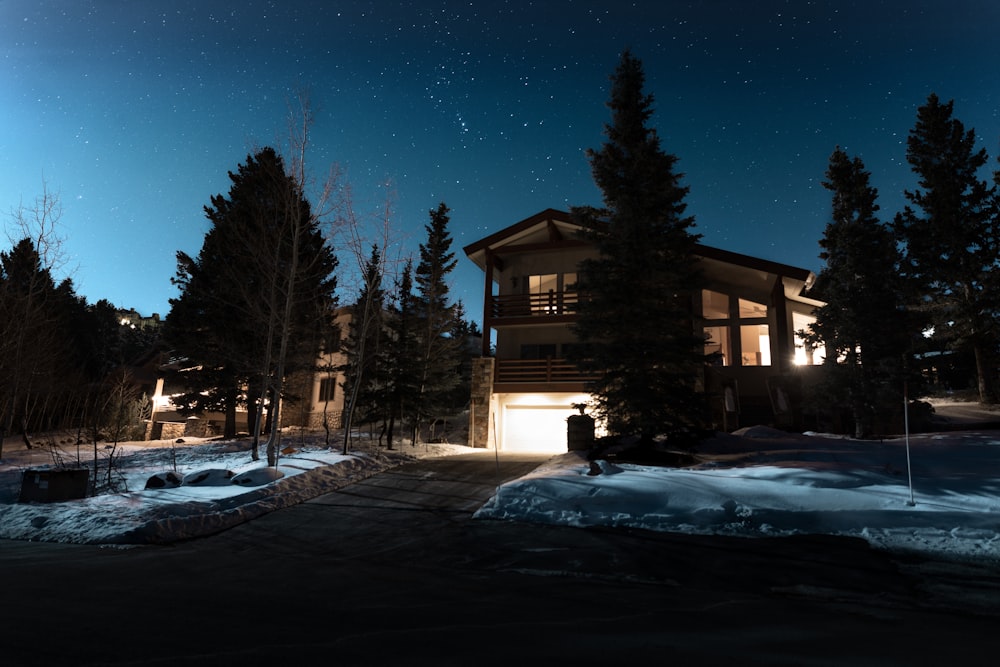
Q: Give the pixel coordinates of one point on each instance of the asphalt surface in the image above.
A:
(956, 415)
(394, 571)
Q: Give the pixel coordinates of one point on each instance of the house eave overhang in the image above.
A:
(526, 236)
(562, 231)
(795, 281)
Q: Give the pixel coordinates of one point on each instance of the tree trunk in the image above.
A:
(987, 390)
(229, 429)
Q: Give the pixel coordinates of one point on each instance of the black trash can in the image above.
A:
(579, 433)
(53, 486)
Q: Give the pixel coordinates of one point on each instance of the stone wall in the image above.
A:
(335, 418)
(479, 407)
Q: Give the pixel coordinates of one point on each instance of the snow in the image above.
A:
(756, 483)
(220, 487)
(763, 483)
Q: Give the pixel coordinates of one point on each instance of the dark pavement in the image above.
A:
(964, 415)
(393, 571)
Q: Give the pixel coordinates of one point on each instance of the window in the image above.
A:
(737, 330)
(543, 290)
(755, 345)
(752, 309)
(717, 342)
(551, 293)
(327, 390)
(804, 355)
(714, 305)
(543, 284)
(538, 351)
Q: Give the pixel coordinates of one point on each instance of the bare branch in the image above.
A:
(40, 223)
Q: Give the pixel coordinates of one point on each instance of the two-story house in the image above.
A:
(749, 313)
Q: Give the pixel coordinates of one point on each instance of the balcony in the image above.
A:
(550, 304)
(537, 372)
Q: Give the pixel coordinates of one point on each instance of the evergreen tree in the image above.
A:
(254, 302)
(862, 324)
(950, 236)
(636, 320)
(438, 357)
(402, 363)
(38, 362)
(203, 329)
(365, 372)
(464, 332)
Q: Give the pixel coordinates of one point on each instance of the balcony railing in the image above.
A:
(537, 371)
(534, 305)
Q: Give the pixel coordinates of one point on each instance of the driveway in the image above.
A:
(393, 570)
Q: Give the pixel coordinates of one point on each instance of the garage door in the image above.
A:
(535, 429)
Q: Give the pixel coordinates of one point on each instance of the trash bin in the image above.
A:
(579, 432)
(52, 486)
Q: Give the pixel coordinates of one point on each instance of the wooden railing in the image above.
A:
(537, 371)
(534, 305)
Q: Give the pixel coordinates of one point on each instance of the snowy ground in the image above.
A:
(757, 483)
(765, 482)
(221, 487)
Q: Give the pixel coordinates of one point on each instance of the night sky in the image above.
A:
(134, 111)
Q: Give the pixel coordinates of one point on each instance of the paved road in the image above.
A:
(393, 570)
(965, 415)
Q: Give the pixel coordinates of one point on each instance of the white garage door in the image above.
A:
(535, 429)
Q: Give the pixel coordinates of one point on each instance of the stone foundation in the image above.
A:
(335, 418)
(479, 408)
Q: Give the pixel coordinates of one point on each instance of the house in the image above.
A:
(320, 393)
(313, 395)
(166, 420)
(749, 312)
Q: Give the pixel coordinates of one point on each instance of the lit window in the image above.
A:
(755, 345)
(742, 330)
(543, 290)
(717, 342)
(714, 305)
(804, 355)
(752, 309)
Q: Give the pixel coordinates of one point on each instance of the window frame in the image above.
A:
(742, 314)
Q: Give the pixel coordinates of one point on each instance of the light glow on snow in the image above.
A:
(756, 484)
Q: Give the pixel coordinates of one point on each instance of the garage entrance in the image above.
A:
(529, 428)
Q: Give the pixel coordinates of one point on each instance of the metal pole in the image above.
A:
(906, 427)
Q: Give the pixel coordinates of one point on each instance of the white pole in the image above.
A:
(906, 426)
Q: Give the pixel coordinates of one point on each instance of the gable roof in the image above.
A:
(554, 227)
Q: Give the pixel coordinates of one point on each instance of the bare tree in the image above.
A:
(118, 415)
(300, 226)
(371, 271)
(40, 223)
(267, 268)
(27, 347)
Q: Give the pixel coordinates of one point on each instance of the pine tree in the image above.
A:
(439, 353)
(862, 325)
(254, 302)
(463, 331)
(364, 371)
(205, 331)
(37, 357)
(402, 364)
(950, 236)
(636, 320)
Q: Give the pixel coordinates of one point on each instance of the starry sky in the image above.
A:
(133, 112)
